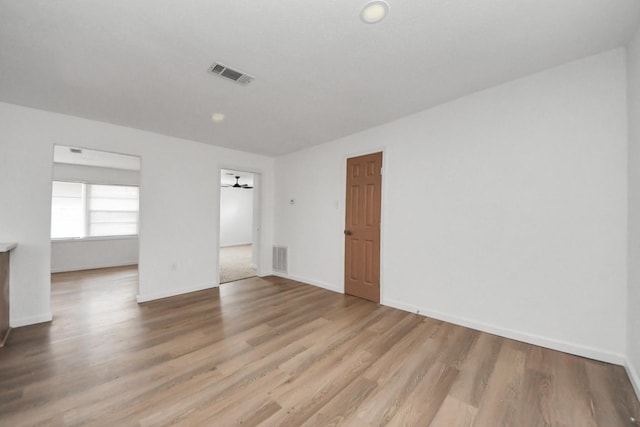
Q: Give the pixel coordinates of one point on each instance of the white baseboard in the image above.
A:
(174, 292)
(229, 245)
(92, 266)
(554, 344)
(633, 377)
(317, 283)
(31, 320)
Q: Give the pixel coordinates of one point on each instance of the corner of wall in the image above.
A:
(632, 363)
(140, 298)
(634, 377)
(318, 283)
(31, 320)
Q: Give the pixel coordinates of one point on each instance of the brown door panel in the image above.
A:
(362, 226)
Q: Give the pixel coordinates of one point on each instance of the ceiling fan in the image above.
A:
(237, 184)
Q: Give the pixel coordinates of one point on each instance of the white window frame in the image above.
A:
(87, 215)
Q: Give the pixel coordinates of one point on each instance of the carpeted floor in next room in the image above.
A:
(235, 263)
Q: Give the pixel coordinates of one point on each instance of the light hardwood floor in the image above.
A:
(281, 353)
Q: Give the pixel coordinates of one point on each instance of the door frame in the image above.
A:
(141, 212)
(258, 202)
(343, 212)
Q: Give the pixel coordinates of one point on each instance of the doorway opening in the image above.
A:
(95, 220)
(239, 219)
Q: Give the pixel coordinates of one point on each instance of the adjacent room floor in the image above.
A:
(235, 263)
(276, 352)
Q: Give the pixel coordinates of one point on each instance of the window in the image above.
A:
(67, 210)
(88, 210)
(113, 210)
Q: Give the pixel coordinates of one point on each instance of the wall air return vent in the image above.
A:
(280, 259)
(231, 74)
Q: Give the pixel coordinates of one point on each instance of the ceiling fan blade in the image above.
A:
(237, 184)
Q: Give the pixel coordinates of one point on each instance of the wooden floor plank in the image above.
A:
(477, 369)
(422, 405)
(272, 351)
(502, 397)
(454, 412)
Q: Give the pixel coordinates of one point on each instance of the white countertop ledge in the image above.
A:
(7, 246)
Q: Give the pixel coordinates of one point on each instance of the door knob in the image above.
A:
(348, 232)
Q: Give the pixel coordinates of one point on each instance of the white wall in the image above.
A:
(72, 255)
(633, 318)
(179, 204)
(504, 210)
(236, 216)
(84, 254)
(95, 175)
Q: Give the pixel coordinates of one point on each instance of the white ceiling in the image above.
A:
(320, 72)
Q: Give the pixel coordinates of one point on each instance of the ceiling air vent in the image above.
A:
(231, 74)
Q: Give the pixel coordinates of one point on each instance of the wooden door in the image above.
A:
(362, 227)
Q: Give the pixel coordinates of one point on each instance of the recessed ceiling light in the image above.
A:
(217, 117)
(374, 11)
